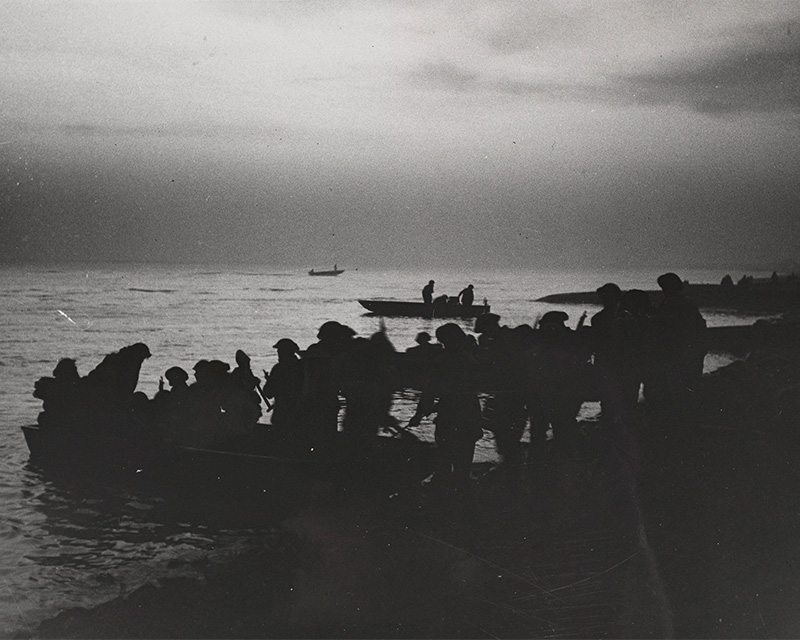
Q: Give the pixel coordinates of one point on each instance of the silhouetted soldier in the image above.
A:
(643, 347)
(366, 378)
(245, 400)
(553, 368)
(427, 293)
(204, 399)
(458, 410)
(285, 384)
(111, 384)
(500, 354)
(171, 406)
(321, 382)
(466, 296)
(681, 348)
(62, 401)
(422, 360)
(616, 341)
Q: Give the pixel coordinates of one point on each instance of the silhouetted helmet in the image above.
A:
(141, 350)
(176, 375)
(423, 337)
(285, 344)
(431, 282)
(329, 330)
(346, 332)
(242, 357)
(609, 291)
(66, 368)
(636, 300)
(218, 367)
(553, 318)
(486, 322)
(670, 283)
(451, 334)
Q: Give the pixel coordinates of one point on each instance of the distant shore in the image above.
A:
(762, 296)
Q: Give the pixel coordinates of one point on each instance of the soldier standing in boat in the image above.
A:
(427, 293)
(285, 385)
(246, 398)
(467, 295)
(62, 404)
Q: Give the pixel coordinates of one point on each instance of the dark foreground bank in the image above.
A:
(686, 531)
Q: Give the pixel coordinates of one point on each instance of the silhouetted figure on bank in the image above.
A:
(423, 348)
(423, 356)
(554, 371)
(284, 384)
(61, 396)
(501, 356)
(321, 382)
(367, 376)
(617, 343)
(427, 293)
(457, 408)
(466, 296)
(245, 401)
(643, 350)
(680, 350)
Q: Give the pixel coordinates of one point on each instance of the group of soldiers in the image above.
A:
(465, 297)
(535, 376)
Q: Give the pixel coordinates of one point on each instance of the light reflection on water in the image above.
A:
(67, 545)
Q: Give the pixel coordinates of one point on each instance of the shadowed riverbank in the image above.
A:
(699, 543)
(696, 540)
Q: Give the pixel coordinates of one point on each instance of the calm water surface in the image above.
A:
(66, 546)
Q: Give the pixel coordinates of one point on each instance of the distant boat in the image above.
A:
(326, 272)
(450, 309)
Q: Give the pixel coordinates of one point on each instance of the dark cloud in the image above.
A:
(738, 82)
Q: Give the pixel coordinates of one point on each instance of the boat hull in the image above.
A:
(334, 272)
(261, 461)
(422, 310)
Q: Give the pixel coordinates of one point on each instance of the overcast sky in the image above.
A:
(401, 134)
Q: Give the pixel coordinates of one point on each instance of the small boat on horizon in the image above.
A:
(326, 272)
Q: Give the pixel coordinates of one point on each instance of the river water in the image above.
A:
(66, 546)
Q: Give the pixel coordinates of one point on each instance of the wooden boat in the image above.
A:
(264, 460)
(326, 272)
(450, 309)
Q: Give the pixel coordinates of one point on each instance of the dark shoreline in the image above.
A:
(756, 298)
(698, 540)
